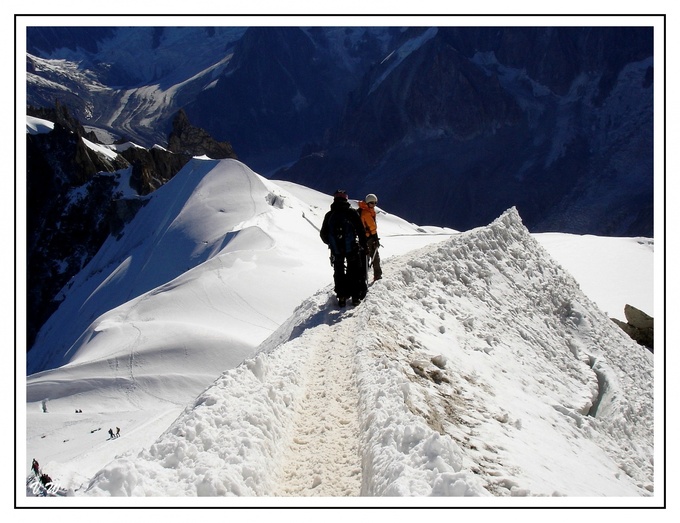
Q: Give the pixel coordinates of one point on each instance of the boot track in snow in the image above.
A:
(322, 457)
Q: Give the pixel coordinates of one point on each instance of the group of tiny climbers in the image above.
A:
(352, 237)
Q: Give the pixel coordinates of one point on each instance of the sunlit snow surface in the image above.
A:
(209, 334)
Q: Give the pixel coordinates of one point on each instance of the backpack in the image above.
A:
(342, 236)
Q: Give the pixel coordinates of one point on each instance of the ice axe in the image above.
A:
(370, 260)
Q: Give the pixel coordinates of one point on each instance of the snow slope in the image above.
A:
(477, 367)
(213, 263)
(466, 372)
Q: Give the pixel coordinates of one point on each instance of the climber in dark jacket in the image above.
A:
(343, 232)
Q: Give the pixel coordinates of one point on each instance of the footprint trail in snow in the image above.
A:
(323, 456)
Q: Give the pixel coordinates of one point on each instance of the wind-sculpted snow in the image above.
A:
(208, 213)
(448, 380)
(496, 333)
(209, 268)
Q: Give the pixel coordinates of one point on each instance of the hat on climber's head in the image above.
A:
(340, 195)
(371, 198)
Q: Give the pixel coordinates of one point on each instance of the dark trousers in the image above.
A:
(349, 275)
(374, 253)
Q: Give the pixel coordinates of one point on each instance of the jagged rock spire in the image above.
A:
(185, 138)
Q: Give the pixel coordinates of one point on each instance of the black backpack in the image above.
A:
(342, 236)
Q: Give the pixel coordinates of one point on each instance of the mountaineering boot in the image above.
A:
(342, 301)
(356, 301)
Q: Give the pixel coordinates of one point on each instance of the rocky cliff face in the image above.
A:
(67, 206)
(433, 90)
(186, 138)
(286, 87)
(76, 197)
(460, 123)
(452, 125)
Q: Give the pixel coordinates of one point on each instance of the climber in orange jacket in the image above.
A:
(367, 213)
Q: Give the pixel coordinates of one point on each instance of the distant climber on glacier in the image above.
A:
(343, 232)
(367, 213)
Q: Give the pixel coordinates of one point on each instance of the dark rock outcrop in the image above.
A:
(639, 326)
(152, 168)
(67, 204)
(75, 199)
(190, 140)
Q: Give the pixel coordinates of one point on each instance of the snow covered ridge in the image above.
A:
(476, 367)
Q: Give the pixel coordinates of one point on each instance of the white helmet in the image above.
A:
(371, 198)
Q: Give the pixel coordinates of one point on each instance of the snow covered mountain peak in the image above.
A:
(207, 331)
(448, 380)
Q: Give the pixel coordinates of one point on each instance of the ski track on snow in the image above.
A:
(322, 457)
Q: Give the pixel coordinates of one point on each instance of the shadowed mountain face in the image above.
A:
(449, 126)
(286, 88)
(470, 121)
